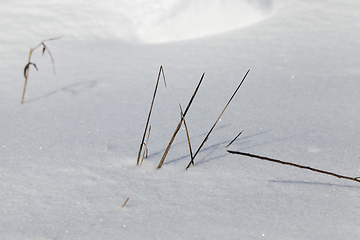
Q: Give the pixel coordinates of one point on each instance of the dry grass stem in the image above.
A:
(126, 202)
(147, 140)
(187, 132)
(234, 138)
(146, 148)
(357, 179)
(48, 50)
(148, 119)
(179, 124)
(26, 69)
(212, 128)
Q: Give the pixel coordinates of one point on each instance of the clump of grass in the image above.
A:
(212, 128)
(27, 66)
(192, 156)
(357, 179)
(161, 70)
(179, 124)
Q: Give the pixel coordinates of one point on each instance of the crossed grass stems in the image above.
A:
(144, 143)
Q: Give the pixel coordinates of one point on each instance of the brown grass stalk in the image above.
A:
(27, 66)
(212, 128)
(148, 119)
(126, 202)
(187, 132)
(234, 138)
(179, 124)
(357, 179)
(146, 148)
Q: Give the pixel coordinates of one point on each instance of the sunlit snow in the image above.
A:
(68, 155)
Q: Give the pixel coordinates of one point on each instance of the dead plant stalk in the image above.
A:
(149, 115)
(146, 149)
(212, 128)
(187, 132)
(179, 124)
(27, 66)
(234, 138)
(126, 202)
(357, 179)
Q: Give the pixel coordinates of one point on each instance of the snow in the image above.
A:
(299, 103)
(146, 21)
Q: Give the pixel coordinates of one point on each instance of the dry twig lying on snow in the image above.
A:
(357, 179)
(126, 202)
(234, 138)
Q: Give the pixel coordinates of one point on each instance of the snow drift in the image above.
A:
(141, 21)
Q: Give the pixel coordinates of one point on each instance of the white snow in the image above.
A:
(299, 103)
(146, 21)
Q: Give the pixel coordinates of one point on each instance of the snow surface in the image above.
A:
(300, 103)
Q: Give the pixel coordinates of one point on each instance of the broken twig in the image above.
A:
(126, 202)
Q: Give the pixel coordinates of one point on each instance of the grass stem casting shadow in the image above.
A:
(212, 128)
(187, 132)
(148, 119)
(179, 125)
(27, 66)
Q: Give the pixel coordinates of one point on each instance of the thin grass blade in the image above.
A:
(212, 128)
(149, 115)
(126, 202)
(26, 69)
(146, 149)
(187, 132)
(234, 138)
(52, 59)
(179, 124)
